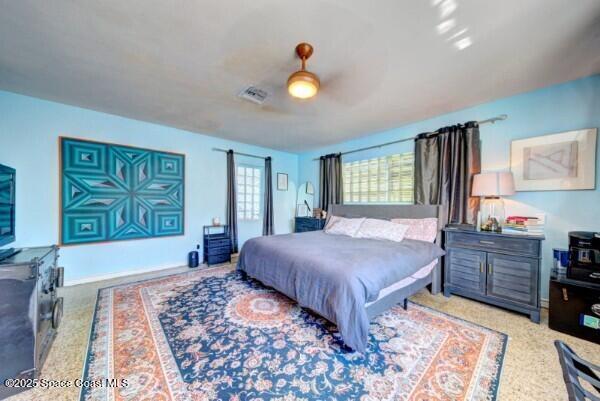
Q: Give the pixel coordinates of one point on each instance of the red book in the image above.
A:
(521, 219)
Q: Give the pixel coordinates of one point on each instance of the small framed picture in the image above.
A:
(310, 189)
(282, 182)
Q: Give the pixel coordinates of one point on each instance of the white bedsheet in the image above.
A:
(419, 274)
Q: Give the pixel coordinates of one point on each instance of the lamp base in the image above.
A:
(491, 225)
(492, 214)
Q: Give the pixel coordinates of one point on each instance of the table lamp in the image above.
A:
(490, 187)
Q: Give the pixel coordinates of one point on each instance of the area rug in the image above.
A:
(215, 335)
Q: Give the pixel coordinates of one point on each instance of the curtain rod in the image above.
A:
(486, 121)
(240, 153)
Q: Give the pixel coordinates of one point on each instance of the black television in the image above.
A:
(7, 206)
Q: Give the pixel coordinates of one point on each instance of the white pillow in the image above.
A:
(345, 226)
(382, 230)
(420, 229)
(331, 220)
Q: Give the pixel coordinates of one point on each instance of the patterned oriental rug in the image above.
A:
(213, 335)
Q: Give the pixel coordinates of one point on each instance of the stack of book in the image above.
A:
(523, 225)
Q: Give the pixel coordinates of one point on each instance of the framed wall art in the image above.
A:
(564, 161)
(310, 189)
(282, 182)
(114, 192)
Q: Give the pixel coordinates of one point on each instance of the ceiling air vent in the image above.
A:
(254, 95)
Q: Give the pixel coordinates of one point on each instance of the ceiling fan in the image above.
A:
(303, 84)
(345, 84)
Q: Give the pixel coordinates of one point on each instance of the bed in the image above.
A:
(347, 280)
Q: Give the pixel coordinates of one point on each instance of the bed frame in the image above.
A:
(387, 212)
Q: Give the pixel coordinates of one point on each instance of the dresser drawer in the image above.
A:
(214, 259)
(226, 250)
(523, 246)
(308, 224)
(217, 243)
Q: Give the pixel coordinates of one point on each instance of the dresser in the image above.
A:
(499, 269)
(30, 313)
(304, 224)
(217, 244)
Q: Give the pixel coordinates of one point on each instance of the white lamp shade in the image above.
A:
(493, 184)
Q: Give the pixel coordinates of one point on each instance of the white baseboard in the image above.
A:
(126, 273)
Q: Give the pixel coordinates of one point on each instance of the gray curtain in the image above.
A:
(445, 162)
(231, 201)
(330, 180)
(268, 214)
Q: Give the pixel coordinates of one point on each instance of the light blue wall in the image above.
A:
(569, 106)
(29, 131)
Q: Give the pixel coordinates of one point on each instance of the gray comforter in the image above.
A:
(334, 275)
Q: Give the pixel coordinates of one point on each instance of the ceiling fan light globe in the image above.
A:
(303, 84)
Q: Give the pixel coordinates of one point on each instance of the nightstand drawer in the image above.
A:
(214, 259)
(490, 242)
(217, 243)
(304, 224)
(218, 250)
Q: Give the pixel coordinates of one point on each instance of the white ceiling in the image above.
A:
(382, 63)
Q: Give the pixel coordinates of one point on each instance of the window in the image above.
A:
(387, 179)
(248, 193)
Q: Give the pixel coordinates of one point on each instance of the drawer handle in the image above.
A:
(565, 294)
(480, 267)
(490, 270)
(486, 242)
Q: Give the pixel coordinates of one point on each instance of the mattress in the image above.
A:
(334, 275)
(405, 282)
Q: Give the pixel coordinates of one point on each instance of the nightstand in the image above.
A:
(217, 244)
(498, 269)
(304, 224)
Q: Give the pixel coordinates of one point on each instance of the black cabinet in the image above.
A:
(500, 269)
(30, 313)
(304, 224)
(574, 307)
(217, 244)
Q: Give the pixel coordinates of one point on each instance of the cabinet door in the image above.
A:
(514, 278)
(466, 269)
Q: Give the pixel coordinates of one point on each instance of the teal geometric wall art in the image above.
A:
(113, 192)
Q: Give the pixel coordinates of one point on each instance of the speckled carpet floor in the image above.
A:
(531, 370)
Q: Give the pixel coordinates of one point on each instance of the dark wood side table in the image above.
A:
(574, 307)
(304, 224)
(498, 269)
